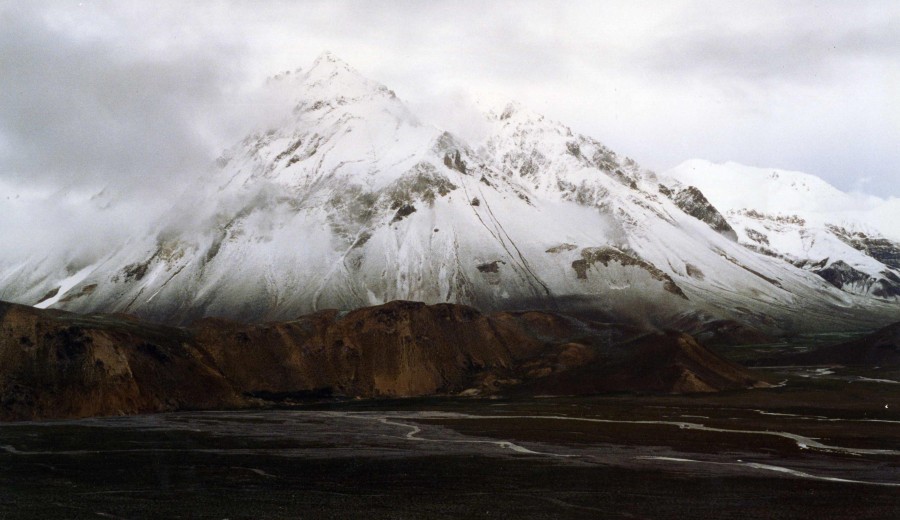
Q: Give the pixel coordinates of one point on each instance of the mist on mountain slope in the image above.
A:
(132, 100)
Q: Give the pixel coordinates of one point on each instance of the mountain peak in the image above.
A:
(329, 58)
(328, 64)
(497, 106)
(762, 188)
(331, 77)
(526, 212)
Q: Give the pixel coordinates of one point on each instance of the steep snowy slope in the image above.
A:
(805, 221)
(53, 238)
(351, 200)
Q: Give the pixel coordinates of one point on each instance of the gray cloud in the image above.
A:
(135, 95)
(765, 51)
(78, 110)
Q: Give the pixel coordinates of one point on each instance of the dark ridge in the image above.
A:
(881, 349)
(55, 364)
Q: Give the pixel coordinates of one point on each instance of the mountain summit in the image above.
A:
(351, 200)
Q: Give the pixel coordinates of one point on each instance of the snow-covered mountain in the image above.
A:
(351, 200)
(850, 240)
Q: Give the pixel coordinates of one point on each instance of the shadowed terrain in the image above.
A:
(881, 348)
(55, 364)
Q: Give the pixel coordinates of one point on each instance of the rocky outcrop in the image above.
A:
(398, 349)
(692, 201)
(55, 364)
(879, 248)
(840, 274)
(845, 277)
(606, 255)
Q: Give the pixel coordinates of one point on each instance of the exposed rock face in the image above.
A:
(605, 255)
(694, 203)
(397, 349)
(840, 274)
(843, 276)
(879, 248)
(888, 286)
(56, 364)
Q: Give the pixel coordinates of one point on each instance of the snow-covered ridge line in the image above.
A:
(845, 238)
(350, 199)
(734, 187)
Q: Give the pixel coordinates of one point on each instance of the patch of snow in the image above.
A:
(65, 285)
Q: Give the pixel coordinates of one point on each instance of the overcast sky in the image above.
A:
(134, 95)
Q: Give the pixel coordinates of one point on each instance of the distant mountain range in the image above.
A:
(849, 240)
(353, 200)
